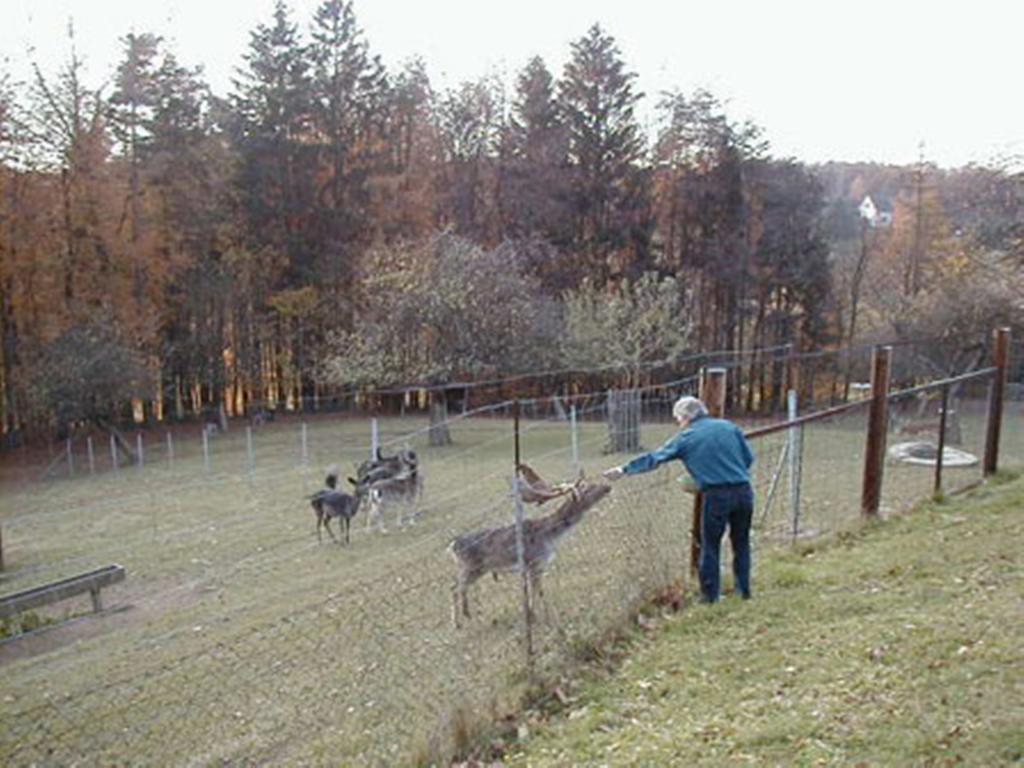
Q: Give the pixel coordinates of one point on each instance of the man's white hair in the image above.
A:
(689, 408)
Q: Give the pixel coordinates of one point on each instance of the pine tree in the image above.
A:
(349, 91)
(130, 110)
(71, 141)
(468, 124)
(534, 181)
(272, 131)
(405, 204)
(606, 148)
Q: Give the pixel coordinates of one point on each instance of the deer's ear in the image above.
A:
(353, 482)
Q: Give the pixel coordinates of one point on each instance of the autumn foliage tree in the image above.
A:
(249, 249)
(442, 310)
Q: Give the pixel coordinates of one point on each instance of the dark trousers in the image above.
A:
(729, 506)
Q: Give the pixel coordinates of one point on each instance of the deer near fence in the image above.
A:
(330, 503)
(494, 549)
(388, 480)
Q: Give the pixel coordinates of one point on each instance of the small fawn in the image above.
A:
(494, 549)
(331, 502)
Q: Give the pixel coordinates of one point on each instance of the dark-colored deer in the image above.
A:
(330, 503)
(494, 549)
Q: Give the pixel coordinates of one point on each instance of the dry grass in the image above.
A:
(246, 641)
(899, 646)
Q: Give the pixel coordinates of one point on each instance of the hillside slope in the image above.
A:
(900, 645)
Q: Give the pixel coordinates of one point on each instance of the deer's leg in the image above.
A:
(456, 592)
(531, 594)
(327, 526)
(535, 586)
(460, 596)
(464, 589)
(346, 519)
(466, 578)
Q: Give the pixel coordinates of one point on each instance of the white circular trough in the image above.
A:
(926, 454)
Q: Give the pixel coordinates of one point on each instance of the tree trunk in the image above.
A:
(438, 432)
(623, 421)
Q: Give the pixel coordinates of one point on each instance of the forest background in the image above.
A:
(168, 253)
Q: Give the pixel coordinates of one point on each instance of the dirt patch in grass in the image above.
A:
(74, 621)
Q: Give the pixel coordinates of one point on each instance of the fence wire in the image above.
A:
(244, 640)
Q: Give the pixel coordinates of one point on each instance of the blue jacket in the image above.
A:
(714, 451)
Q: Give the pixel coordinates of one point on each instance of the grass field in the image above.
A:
(900, 645)
(242, 639)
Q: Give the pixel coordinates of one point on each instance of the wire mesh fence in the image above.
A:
(937, 438)
(246, 641)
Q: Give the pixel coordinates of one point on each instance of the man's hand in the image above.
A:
(613, 473)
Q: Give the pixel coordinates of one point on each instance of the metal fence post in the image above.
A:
(113, 453)
(71, 459)
(248, 447)
(92, 456)
(138, 450)
(874, 451)
(794, 440)
(170, 451)
(305, 450)
(206, 450)
(520, 544)
(575, 441)
(942, 440)
(790, 376)
(1001, 361)
(374, 438)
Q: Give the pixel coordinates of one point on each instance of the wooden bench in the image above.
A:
(91, 582)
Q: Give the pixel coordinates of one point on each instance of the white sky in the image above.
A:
(853, 80)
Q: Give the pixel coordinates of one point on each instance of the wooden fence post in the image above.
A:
(874, 451)
(1001, 360)
(712, 392)
(944, 406)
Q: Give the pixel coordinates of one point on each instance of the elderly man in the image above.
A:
(718, 458)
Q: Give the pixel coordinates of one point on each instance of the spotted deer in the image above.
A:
(494, 549)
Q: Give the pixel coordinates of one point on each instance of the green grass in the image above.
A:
(245, 641)
(896, 645)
